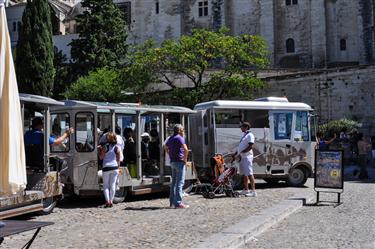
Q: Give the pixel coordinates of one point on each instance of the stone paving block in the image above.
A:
(238, 234)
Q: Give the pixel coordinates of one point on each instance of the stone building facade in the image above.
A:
(333, 93)
(299, 33)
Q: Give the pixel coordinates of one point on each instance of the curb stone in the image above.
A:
(239, 234)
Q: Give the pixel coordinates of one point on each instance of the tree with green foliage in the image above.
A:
(141, 69)
(63, 76)
(102, 37)
(100, 85)
(234, 58)
(34, 52)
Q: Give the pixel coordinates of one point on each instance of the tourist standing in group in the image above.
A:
(110, 154)
(245, 153)
(363, 150)
(178, 153)
(373, 149)
(323, 144)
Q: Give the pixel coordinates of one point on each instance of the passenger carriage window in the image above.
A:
(60, 123)
(257, 118)
(282, 125)
(104, 122)
(227, 118)
(302, 128)
(125, 121)
(85, 136)
(150, 142)
(126, 127)
(233, 118)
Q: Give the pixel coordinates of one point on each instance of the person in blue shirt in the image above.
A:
(323, 144)
(36, 135)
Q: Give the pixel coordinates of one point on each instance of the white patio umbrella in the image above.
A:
(12, 152)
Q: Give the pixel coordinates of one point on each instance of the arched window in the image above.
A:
(290, 46)
(343, 44)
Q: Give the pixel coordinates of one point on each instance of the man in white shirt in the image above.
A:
(245, 153)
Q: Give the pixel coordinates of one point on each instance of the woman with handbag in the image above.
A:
(110, 154)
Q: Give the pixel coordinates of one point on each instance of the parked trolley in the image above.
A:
(284, 136)
(43, 187)
(144, 170)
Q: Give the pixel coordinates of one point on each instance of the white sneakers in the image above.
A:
(251, 194)
(248, 193)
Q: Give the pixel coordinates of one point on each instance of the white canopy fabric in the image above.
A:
(12, 152)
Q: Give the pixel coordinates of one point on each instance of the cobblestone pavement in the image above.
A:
(350, 225)
(147, 222)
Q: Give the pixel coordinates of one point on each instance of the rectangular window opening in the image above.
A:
(301, 132)
(125, 7)
(282, 125)
(84, 132)
(342, 44)
(203, 8)
(60, 124)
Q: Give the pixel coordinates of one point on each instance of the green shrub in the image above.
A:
(336, 126)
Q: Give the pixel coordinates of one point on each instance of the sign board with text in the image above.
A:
(329, 170)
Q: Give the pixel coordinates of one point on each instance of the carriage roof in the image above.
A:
(269, 103)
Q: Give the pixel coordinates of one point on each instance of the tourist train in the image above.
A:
(284, 147)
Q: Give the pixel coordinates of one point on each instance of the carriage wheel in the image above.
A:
(211, 195)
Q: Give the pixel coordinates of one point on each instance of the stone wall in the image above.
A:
(366, 8)
(334, 94)
(317, 27)
(343, 24)
(146, 23)
(293, 22)
(346, 92)
(244, 16)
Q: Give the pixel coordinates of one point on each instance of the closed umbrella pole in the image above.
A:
(12, 152)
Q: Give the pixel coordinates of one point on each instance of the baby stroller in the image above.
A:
(221, 179)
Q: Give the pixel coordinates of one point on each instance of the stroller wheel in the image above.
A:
(211, 195)
(235, 194)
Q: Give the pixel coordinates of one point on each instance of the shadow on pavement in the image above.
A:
(91, 202)
(265, 185)
(146, 208)
(323, 204)
(351, 174)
